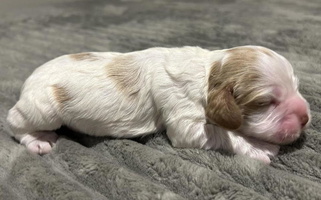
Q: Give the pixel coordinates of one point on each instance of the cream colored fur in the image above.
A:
(138, 93)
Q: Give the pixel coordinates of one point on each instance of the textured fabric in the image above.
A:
(82, 167)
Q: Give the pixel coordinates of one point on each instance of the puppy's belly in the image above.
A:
(105, 112)
(107, 123)
(117, 130)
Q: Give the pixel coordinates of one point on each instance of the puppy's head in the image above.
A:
(253, 91)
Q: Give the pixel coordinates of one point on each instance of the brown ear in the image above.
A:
(222, 109)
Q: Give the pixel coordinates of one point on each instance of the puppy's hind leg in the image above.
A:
(40, 142)
(32, 123)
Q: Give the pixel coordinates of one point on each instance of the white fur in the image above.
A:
(170, 92)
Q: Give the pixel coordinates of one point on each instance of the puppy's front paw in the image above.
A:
(262, 157)
(262, 151)
(254, 148)
(39, 142)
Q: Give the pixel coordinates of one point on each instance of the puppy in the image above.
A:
(244, 100)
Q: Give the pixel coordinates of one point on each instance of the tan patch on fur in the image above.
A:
(238, 70)
(232, 87)
(126, 74)
(83, 56)
(60, 94)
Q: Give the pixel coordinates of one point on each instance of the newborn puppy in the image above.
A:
(244, 100)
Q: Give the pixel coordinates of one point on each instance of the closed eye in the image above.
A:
(273, 102)
(263, 103)
(268, 103)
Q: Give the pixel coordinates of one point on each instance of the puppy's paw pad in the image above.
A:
(40, 142)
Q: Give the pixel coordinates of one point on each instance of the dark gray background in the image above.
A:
(34, 31)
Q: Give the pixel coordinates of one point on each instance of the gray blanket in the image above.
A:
(82, 167)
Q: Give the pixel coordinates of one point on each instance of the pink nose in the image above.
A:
(300, 108)
(304, 120)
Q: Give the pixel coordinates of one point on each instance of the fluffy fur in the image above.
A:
(244, 99)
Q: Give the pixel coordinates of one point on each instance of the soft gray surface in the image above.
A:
(33, 32)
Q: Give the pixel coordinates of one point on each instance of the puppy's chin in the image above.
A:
(289, 130)
(279, 137)
(282, 132)
(285, 137)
